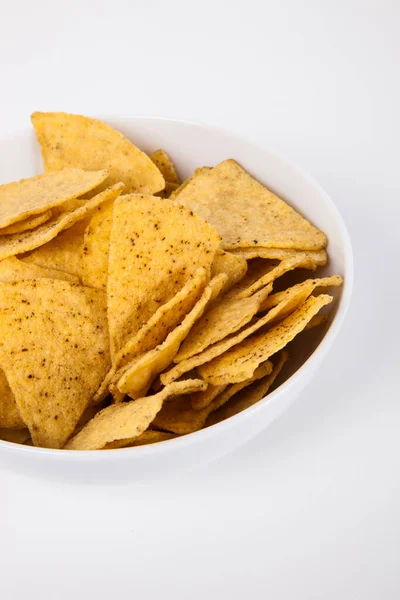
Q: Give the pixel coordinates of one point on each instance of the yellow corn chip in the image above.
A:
(316, 321)
(22, 199)
(149, 436)
(77, 141)
(164, 164)
(96, 246)
(246, 213)
(240, 363)
(29, 223)
(9, 413)
(17, 436)
(56, 334)
(170, 188)
(141, 372)
(243, 396)
(315, 258)
(64, 252)
(13, 269)
(18, 243)
(261, 273)
(187, 181)
(155, 247)
(288, 304)
(234, 266)
(200, 400)
(129, 419)
(164, 320)
(224, 318)
(303, 290)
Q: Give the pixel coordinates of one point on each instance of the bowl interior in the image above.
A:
(191, 146)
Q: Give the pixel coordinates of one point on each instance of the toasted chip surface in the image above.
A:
(165, 165)
(224, 318)
(22, 199)
(56, 334)
(150, 436)
(128, 420)
(78, 141)
(13, 269)
(244, 395)
(234, 266)
(155, 247)
(96, 245)
(141, 372)
(300, 290)
(318, 258)
(26, 224)
(63, 253)
(245, 212)
(240, 363)
(9, 413)
(18, 243)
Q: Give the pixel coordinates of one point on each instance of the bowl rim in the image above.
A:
(323, 347)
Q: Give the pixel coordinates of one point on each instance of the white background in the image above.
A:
(310, 509)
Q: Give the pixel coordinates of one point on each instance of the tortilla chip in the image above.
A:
(64, 252)
(96, 246)
(243, 395)
(200, 400)
(17, 436)
(240, 362)
(56, 334)
(164, 320)
(316, 258)
(303, 289)
(149, 436)
(18, 243)
(288, 304)
(78, 141)
(26, 224)
(141, 372)
(13, 269)
(169, 189)
(187, 181)
(234, 266)
(155, 247)
(22, 199)
(128, 420)
(9, 413)
(261, 273)
(224, 318)
(164, 164)
(245, 213)
(316, 321)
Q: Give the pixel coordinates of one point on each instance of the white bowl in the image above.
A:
(192, 146)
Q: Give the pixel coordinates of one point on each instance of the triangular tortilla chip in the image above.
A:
(154, 332)
(27, 224)
(78, 141)
(150, 436)
(18, 243)
(155, 247)
(138, 375)
(64, 252)
(240, 362)
(56, 333)
(245, 213)
(303, 290)
(129, 419)
(22, 199)
(245, 394)
(200, 400)
(165, 165)
(225, 316)
(96, 247)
